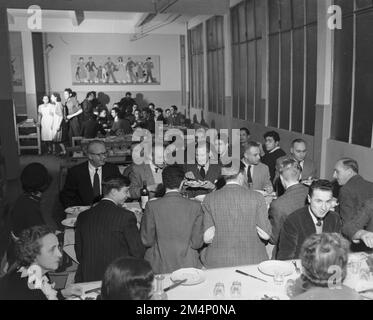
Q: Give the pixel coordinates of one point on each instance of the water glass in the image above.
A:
(236, 289)
(219, 290)
(354, 266)
(278, 277)
(364, 274)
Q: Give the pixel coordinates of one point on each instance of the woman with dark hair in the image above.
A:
(120, 126)
(37, 253)
(324, 262)
(60, 128)
(73, 112)
(127, 279)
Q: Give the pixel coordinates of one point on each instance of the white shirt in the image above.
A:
(273, 150)
(314, 219)
(92, 171)
(251, 168)
(206, 167)
(157, 173)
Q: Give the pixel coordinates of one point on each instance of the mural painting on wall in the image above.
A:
(115, 69)
(17, 70)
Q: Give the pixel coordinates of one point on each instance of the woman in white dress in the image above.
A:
(45, 120)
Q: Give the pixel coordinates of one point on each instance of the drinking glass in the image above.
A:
(289, 287)
(236, 289)
(219, 290)
(278, 277)
(354, 266)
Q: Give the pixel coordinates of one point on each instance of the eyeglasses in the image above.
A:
(102, 154)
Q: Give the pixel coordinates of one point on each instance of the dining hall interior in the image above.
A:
(285, 74)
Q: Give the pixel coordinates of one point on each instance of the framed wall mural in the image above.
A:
(115, 69)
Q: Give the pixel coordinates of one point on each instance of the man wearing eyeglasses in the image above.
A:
(83, 181)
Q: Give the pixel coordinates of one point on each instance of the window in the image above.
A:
(353, 74)
(215, 64)
(246, 29)
(196, 66)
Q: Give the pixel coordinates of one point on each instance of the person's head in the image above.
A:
(252, 153)
(90, 96)
(145, 113)
(168, 112)
(345, 169)
(173, 109)
(35, 178)
(290, 171)
(151, 106)
(298, 149)
(128, 94)
(67, 93)
(320, 197)
(202, 152)
(323, 256)
(230, 173)
(73, 94)
(116, 188)
(81, 59)
(272, 140)
(135, 107)
(45, 99)
(221, 143)
(103, 113)
(172, 176)
(114, 112)
(244, 135)
(38, 245)
(120, 59)
(158, 112)
(137, 114)
(127, 278)
(55, 97)
(96, 152)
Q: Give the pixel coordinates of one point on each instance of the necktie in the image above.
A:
(96, 184)
(249, 179)
(202, 172)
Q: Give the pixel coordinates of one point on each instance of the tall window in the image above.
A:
(215, 64)
(195, 36)
(353, 74)
(292, 64)
(246, 28)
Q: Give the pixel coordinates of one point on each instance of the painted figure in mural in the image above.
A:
(148, 65)
(140, 73)
(110, 68)
(101, 72)
(121, 71)
(83, 76)
(91, 66)
(130, 65)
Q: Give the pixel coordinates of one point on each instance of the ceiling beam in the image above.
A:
(10, 19)
(78, 17)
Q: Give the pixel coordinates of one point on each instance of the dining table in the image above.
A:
(254, 286)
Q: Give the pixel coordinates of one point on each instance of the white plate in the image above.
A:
(76, 210)
(69, 222)
(269, 267)
(193, 276)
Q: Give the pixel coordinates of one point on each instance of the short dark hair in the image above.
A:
(90, 93)
(167, 109)
(69, 91)
(35, 178)
(172, 176)
(116, 109)
(350, 164)
(57, 95)
(128, 93)
(114, 182)
(246, 130)
(298, 140)
(324, 185)
(151, 104)
(272, 134)
(159, 110)
(127, 278)
(174, 107)
(28, 245)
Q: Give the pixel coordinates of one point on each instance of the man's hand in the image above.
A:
(72, 290)
(365, 236)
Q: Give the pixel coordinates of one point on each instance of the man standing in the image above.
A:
(87, 106)
(172, 227)
(83, 181)
(273, 151)
(257, 173)
(314, 218)
(354, 191)
(106, 232)
(110, 68)
(149, 66)
(129, 68)
(126, 104)
(234, 218)
(293, 199)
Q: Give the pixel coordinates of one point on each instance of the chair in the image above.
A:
(76, 141)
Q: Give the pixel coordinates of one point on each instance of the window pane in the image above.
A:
(311, 79)
(311, 7)
(250, 19)
(362, 4)
(346, 5)
(250, 79)
(236, 79)
(242, 21)
(234, 24)
(363, 111)
(243, 69)
(274, 16)
(285, 13)
(285, 79)
(259, 106)
(259, 17)
(342, 82)
(298, 13)
(298, 78)
(273, 80)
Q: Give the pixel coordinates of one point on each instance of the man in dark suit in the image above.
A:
(204, 171)
(175, 117)
(91, 127)
(273, 151)
(360, 228)
(172, 227)
(83, 181)
(314, 218)
(106, 232)
(293, 199)
(355, 189)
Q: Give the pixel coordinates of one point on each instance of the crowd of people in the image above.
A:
(205, 214)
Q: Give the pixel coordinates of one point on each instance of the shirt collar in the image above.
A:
(273, 150)
(206, 166)
(92, 168)
(314, 219)
(108, 199)
(232, 182)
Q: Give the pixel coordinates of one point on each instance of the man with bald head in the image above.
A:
(354, 188)
(83, 181)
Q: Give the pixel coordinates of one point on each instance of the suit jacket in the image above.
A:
(352, 196)
(235, 212)
(293, 199)
(103, 233)
(298, 227)
(78, 189)
(213, 174)
(270, 159)
(90, 129)
(261, 177)
(139, 174)
(172, 231)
